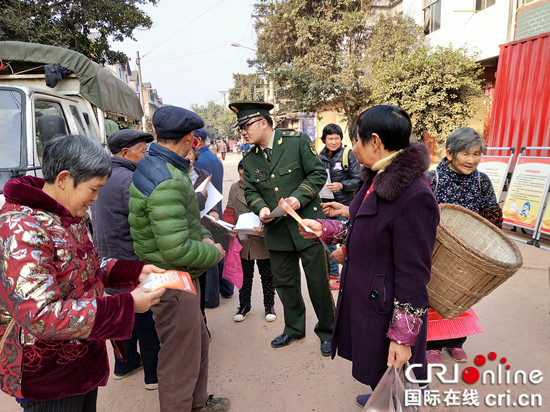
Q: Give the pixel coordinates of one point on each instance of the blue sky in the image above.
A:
(187, 54)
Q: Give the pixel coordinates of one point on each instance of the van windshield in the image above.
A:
(10, 132)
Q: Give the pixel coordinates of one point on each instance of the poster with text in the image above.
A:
(496, 168)
(527, 191)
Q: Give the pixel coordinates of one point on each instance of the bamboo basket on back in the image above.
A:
(471, 258)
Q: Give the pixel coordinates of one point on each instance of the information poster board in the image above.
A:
(545, 224)
(527, 191)
(496, 168)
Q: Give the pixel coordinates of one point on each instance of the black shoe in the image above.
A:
(242, 313)
(283, 340)
(325, 348)
(122, 375)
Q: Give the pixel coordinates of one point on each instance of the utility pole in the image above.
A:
(272, 93)
(141, 97)
(224, 101)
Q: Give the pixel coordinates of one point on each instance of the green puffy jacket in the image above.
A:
(164, 215)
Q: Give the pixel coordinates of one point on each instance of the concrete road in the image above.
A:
(256, 377)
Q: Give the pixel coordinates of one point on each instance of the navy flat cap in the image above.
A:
(172, 122)
(127, 138)
(201, 133)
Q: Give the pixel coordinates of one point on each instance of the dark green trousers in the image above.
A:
(287, 278)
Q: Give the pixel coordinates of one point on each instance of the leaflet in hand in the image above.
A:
(202, 186)
(325, 192)
(221, 223)
(288, 209)
(248, 224)
(214, 197)
(278, 211)
(171, 279)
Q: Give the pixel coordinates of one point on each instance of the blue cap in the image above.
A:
(172, 122)
(201, 133)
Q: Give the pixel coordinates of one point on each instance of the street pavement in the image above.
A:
(296, 378)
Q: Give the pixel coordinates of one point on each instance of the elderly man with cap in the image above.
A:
(165, 224)
(112, 238)
(285, 165)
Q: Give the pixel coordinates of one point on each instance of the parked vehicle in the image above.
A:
(31, 113)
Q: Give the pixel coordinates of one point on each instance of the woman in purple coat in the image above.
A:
(383, 299)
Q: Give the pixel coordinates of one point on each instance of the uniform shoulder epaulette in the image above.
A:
(289, 133)
(249, 150)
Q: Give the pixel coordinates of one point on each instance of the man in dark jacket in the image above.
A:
(113, 240)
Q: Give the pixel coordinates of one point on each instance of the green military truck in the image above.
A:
(31, 113)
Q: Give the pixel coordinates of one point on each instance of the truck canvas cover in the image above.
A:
(97, 84)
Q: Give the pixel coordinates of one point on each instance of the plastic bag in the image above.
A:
(232, 268)
(389, 395)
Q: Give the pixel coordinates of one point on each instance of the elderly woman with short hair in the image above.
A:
(54, 319)
(456, 180)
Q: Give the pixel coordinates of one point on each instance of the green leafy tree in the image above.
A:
(436, 87)
(218, 120)
(247, 87)
(339, 51)
(324, 51)
(85, 26)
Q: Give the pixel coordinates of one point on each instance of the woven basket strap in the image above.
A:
(9, 327)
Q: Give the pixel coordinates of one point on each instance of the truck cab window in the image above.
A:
(10, 133)
(79, 122)
(49, 122)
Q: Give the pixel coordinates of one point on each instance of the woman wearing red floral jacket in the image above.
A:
(54, 319)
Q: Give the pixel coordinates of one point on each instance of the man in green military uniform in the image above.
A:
(285, 165)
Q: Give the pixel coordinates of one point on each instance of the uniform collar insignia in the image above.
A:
(280, 141)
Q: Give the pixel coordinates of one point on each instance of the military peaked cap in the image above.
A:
(248, 109)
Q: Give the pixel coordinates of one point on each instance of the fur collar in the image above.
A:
(399, 174)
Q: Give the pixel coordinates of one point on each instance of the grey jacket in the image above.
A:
(111, 230)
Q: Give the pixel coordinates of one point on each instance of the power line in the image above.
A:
(190, 69)
(183, 28)
(189, 53)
